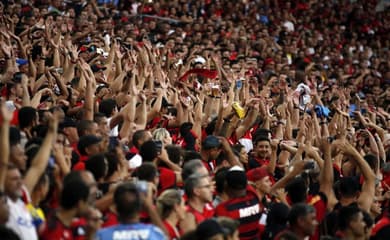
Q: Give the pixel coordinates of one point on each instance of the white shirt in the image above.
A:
(20, 220)
(114, 132)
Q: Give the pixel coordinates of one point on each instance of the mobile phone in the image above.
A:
(238, 84)
(309, 165)
(59, 70)
(158, 145)
(142, 186)
(331, 139)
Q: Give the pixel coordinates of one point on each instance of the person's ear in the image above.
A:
(196, 191)
(12, 90)
(257, 184)
(301, 221)
(87, 151)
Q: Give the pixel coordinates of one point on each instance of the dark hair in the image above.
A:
(127, 201)
(261, 138)
(347, 187)
(83, 126)
(14, 136)
(237, 149)
(229, 225)
(191, 155)
(147, 172)
(288, 235)
(26, 116)
(175, 153)
(113, 162)
(8, 234)
(96, 164)
(297, 190)
(190, 168)
(139, 134)
(346, 215)
(372, 161)
(220, 177)
(73, 191)
(190, 235)
(299, 210)
(97, 117)
(148, 151)
(107, 106)
(367, 219)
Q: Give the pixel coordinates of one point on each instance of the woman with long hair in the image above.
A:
(170, 206)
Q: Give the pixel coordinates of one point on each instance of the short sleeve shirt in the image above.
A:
(137, 231)
(20, 220)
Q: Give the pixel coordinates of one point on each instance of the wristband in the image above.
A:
(214, 96)
(227, 120)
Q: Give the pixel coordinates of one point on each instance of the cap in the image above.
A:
(236, 178)
(268, 61)
(86, 141)
(97, 67)
(68, 122)
(211, 142)
(209, 228)
(257, 174)
(21, 61)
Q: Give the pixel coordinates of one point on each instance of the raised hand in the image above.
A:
(5, 114)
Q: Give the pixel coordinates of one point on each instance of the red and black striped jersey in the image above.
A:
(247, 210)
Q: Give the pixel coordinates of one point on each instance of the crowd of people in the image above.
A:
(194, 119)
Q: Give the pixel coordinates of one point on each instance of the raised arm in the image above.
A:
(41, 159)
(368, 189)
(6, 117)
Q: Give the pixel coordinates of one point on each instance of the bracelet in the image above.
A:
(73, 62)
(283, 122)
(214, 96)
(323, 122)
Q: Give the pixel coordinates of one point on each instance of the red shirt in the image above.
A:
(210, 166)
(247, 210)
(167, 179)
(53, 228)
(208, 212)
(383, 222)
(111, 219)
(173, 233)
(319, 202)
(80, 165)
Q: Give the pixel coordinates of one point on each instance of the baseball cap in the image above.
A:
(209, 228)
(86, 141)
(257, 174)
(211, 142)
(97, 67)
(21, 61)
(236, 178)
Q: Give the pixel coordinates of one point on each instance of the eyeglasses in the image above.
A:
(205, 186)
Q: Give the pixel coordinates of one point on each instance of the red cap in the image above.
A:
(268, 61)
(257, 174)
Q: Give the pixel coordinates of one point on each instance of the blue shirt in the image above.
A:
(137, 231)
